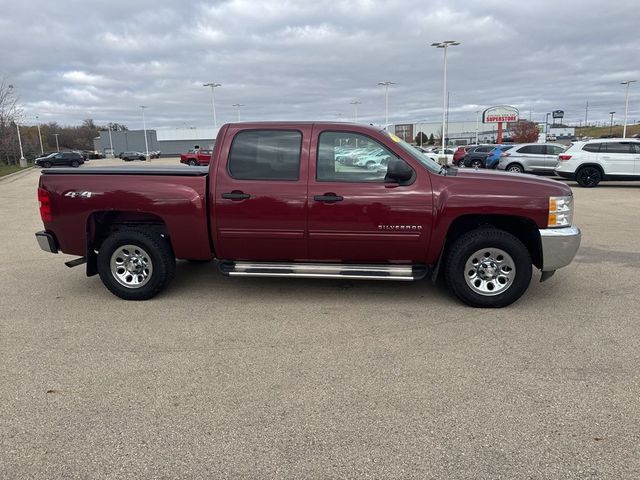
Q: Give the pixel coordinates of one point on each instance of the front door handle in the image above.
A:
(236, 196)
(328, 198)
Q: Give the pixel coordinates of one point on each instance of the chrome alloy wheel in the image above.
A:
(131, 266)
(489, 271)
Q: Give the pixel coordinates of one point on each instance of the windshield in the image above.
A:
(416, 154)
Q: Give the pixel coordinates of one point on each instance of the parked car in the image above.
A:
(128, 156)
(591, 162)
(71, 159)
(531, 158)
(196, 157)
(460, 152)
(476, 157)
(276, 202)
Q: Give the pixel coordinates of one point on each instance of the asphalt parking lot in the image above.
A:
(275, 378)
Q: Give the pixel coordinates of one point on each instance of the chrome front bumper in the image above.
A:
(559, 246)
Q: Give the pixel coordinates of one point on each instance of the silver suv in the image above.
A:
(531, 157)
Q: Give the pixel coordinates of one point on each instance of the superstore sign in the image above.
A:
(499, 114)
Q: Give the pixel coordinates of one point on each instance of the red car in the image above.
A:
(459, 154)
(277, 202)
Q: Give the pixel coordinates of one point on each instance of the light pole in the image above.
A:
(213, 86)
(144, 127)
(546, 125)
(57, 146)
(238, 105)
(355, 104)
(611, 124)
(23, 161)
(39, 135)
(111, 142)
(445, 46)
(477, 124)
(386, 85)
(626, 106)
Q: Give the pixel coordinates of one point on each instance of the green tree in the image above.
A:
(421, 139)
(432, 140)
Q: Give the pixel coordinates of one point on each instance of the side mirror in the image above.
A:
(399, 171)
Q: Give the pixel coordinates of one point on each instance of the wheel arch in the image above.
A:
(523, 228)
(101, 224)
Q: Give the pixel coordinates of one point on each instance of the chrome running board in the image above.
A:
(323, 270)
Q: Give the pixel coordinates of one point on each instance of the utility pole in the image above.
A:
(111, 142)
(23, 161)
(57, 146)
(626, 105)
(586, 113)
(611, 124)
(144, 127)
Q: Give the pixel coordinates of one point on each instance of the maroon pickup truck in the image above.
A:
(278, 200)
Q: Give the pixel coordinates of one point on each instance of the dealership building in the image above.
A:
(464, 132)
(170, 142)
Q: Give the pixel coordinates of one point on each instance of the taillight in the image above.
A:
(45, 205)
(564, 157)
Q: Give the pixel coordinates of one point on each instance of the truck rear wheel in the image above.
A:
(488, 268)
(136, 265)
(193, 163)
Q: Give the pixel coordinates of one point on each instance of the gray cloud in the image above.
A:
(71, 60)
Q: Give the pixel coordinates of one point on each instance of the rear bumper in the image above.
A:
(567, 175)
(559, 246)
(47, 242)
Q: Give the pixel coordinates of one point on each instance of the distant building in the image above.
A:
(170, 142)
(464, 132)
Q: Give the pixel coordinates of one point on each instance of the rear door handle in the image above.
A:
(236, 196)
(328, 198)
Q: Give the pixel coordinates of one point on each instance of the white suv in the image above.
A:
(600, 159)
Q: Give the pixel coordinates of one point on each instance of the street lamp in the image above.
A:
(111, 142)
(57, 146)
(386, 85)
(144, 127)
(23, 161)
(355, 104)
(238, 105)
(626, 105)
(477, 124)
(611, 124)
(213, 86)
(39, 135)
(445, 46)
(546, 125)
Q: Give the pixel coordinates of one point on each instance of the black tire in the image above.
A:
(475, 163)
(193, 163)
(46, 165)
(141, 158)
(155, 249)
(588, 177)
(515, 168)
(466, 247)
(75, 164)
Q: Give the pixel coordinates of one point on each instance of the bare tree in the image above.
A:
(9, 114)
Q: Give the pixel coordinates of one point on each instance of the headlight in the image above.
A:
(560, 212)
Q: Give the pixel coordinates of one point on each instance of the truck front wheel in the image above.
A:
(136, 265)
(488, 268)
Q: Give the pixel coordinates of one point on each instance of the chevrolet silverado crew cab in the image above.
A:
(278, 201)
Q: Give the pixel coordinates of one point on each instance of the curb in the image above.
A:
(16, 174)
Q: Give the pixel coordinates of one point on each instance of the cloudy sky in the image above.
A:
(70, 60)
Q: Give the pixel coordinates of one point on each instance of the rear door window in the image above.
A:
(616, 147)
(265, 155)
